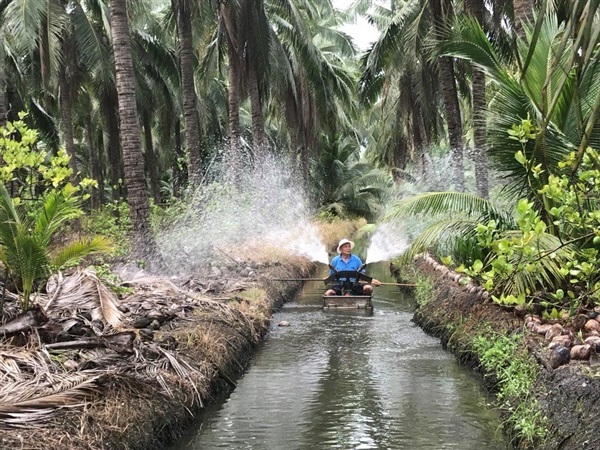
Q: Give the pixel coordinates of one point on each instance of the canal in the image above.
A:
(350, 380)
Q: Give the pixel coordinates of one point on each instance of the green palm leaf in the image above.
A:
(436, 233)
(433, 203)
(55, 212)
(74, 252)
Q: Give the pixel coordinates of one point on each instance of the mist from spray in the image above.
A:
(263, 207)
(387, 242)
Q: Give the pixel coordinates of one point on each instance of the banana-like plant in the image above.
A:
(26, 239)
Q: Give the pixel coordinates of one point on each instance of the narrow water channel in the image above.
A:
(349, 380)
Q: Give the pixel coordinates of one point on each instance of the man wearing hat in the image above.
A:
(347, 261)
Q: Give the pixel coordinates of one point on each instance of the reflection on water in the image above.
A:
(349, 380)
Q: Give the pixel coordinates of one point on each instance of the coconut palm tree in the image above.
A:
(476, 9)
(400, 80)
(401, 72)
(541, 115)
(184, 12)
(442, 14)
(557, 90)
(345, 185)
(290, 68)
(135, 182)
(522, 15)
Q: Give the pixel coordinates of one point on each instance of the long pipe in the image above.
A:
(298, 279)
(323, 279)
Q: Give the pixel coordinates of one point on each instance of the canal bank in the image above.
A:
(543, 407)
(183, 343)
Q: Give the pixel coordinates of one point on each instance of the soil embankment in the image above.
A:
(102, 371)
(566, 394)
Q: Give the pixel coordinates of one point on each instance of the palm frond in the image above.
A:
(433, 203)
(435, 233)
(29, 402)
(57, 209)
(82, 290)
(548, 274)
(74, 252)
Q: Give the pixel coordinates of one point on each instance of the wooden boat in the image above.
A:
(348, 300)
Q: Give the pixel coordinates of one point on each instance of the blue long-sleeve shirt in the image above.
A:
(354, 263)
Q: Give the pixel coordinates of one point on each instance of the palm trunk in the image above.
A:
(523, 12)
(190, 100)
(479, 107)
(450, 98)
(233, 75)
(94, 163)
(65, 100)
(3, 112)
(133, 159)
(179, 171)
(258, 123)
(108, 108)
(151, 160)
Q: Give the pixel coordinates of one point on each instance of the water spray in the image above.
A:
(387, 242)
(265, 208)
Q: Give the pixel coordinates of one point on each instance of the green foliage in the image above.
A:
(455, 216)
(424, 290)
(25, 239)
(344, 184)
(505, 359)
(112, 221)
(31, 169)
(44, 201)
(530, 259)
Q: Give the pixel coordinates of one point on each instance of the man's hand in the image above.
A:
(376, 282)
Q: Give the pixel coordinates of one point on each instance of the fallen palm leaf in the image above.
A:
(83, 290)
(24, 403)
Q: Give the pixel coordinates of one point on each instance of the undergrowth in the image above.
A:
(504, 358)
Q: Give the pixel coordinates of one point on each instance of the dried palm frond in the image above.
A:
(84, 291)
(18, 364)
(184, 370)
(28, 402)
(164, 288)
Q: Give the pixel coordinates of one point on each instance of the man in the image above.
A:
(347, 261)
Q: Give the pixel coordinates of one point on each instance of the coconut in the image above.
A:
(563, 340)
(592, 325)
(580, 352)
(553, 331)
(593, 342)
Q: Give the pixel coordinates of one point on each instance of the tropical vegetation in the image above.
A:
(134, 106)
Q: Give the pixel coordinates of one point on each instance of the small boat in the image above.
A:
(347, 300)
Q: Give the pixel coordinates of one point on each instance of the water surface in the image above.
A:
(350, 380)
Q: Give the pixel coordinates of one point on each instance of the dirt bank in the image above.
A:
(567, 397)
(129, 371)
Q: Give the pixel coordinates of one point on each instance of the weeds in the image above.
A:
(424, 290)
(504, 358)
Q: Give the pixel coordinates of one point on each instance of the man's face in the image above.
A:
(345, 249)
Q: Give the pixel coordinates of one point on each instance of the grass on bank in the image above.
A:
(506, 360)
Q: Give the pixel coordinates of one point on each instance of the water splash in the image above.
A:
(262, 211)
(388, 241)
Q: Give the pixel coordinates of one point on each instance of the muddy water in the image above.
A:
(349, 380)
